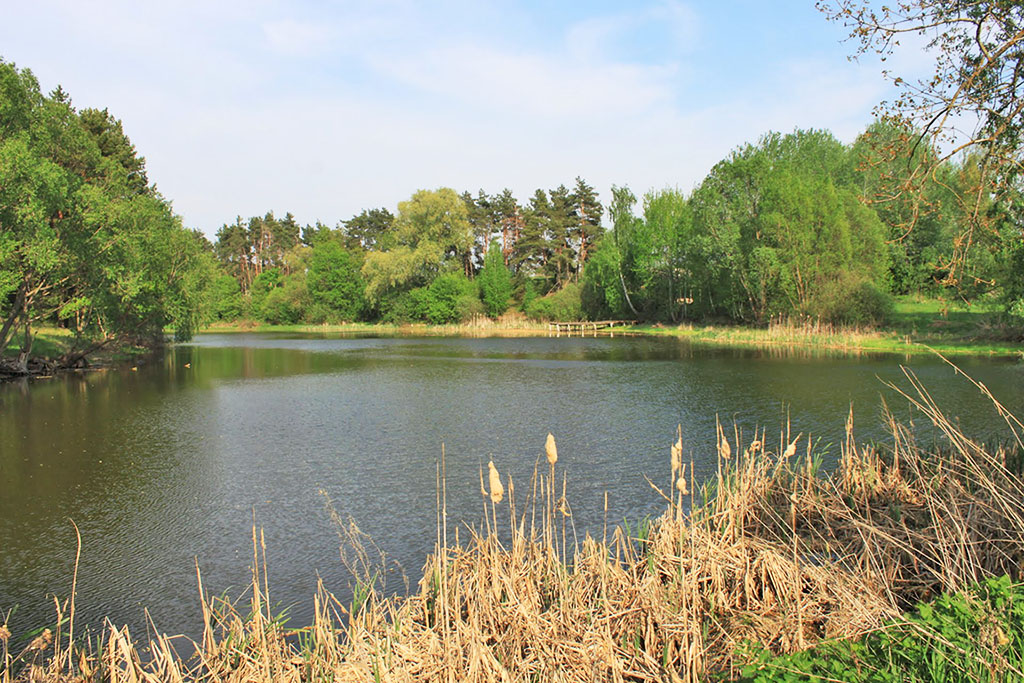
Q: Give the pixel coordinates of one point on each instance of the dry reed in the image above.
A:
(770, 551)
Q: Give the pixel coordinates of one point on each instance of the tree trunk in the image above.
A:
(626, 294)
(5, 331)
(21, 365)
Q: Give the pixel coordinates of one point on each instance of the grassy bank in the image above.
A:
(916, 327)
(769, 557)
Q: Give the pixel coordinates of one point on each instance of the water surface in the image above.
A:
(171, 464)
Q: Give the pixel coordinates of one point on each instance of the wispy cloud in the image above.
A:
(326, 109)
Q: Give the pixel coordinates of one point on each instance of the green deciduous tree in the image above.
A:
(336, 286)
(84, 241)
(495, 282)
(973, 101)
(782, 223)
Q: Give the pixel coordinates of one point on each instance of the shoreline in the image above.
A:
(844, 341)
(969, 342)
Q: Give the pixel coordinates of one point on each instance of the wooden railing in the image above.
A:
(581, 327)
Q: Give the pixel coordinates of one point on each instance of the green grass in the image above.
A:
(49, 342)
(916, 326)
(973, 636)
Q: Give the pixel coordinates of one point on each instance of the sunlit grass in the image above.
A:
(48, 342)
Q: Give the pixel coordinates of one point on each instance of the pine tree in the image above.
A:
(587, 228)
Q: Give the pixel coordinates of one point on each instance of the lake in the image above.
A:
(174, 462)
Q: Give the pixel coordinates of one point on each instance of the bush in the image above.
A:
(287, 303)
(440, 305)
(262, 285)
(396, 308)
(529, 295)
(450, 298)
(565, 304)
(335, 283)
(849, 300)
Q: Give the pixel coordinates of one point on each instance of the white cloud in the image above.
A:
(543, 86)
(324, 110)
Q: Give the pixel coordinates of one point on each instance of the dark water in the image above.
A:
(170, 464)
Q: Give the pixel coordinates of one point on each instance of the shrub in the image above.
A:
(396, 308)
(227, 298)
(851, 300)
(529, 295)
(335, 283)
(286, 304)
(450, 298)
(443, 294)
(564, 304)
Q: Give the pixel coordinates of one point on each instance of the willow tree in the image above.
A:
(431, 234)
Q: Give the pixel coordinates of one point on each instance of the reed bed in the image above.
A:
(771, 550)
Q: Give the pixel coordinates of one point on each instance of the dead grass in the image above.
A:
(771, 550)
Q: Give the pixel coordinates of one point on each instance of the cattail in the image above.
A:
(497, 490)
(790, 450)
(677, 455)
(681, 482)
(724, 449)
(5, 633)
(42, 641)
(550, 449)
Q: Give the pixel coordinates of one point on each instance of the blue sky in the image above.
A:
(326, 108)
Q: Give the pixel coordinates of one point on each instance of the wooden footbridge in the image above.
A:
(582, 327)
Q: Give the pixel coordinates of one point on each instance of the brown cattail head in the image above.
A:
(724, 449)
(790, 450)
(677, 456)
(497, 490)
(681, 482)
(5, 633)
(550, 449)
(42, 641)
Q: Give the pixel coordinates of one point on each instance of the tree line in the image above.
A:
(794, 225)
(442, 258)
